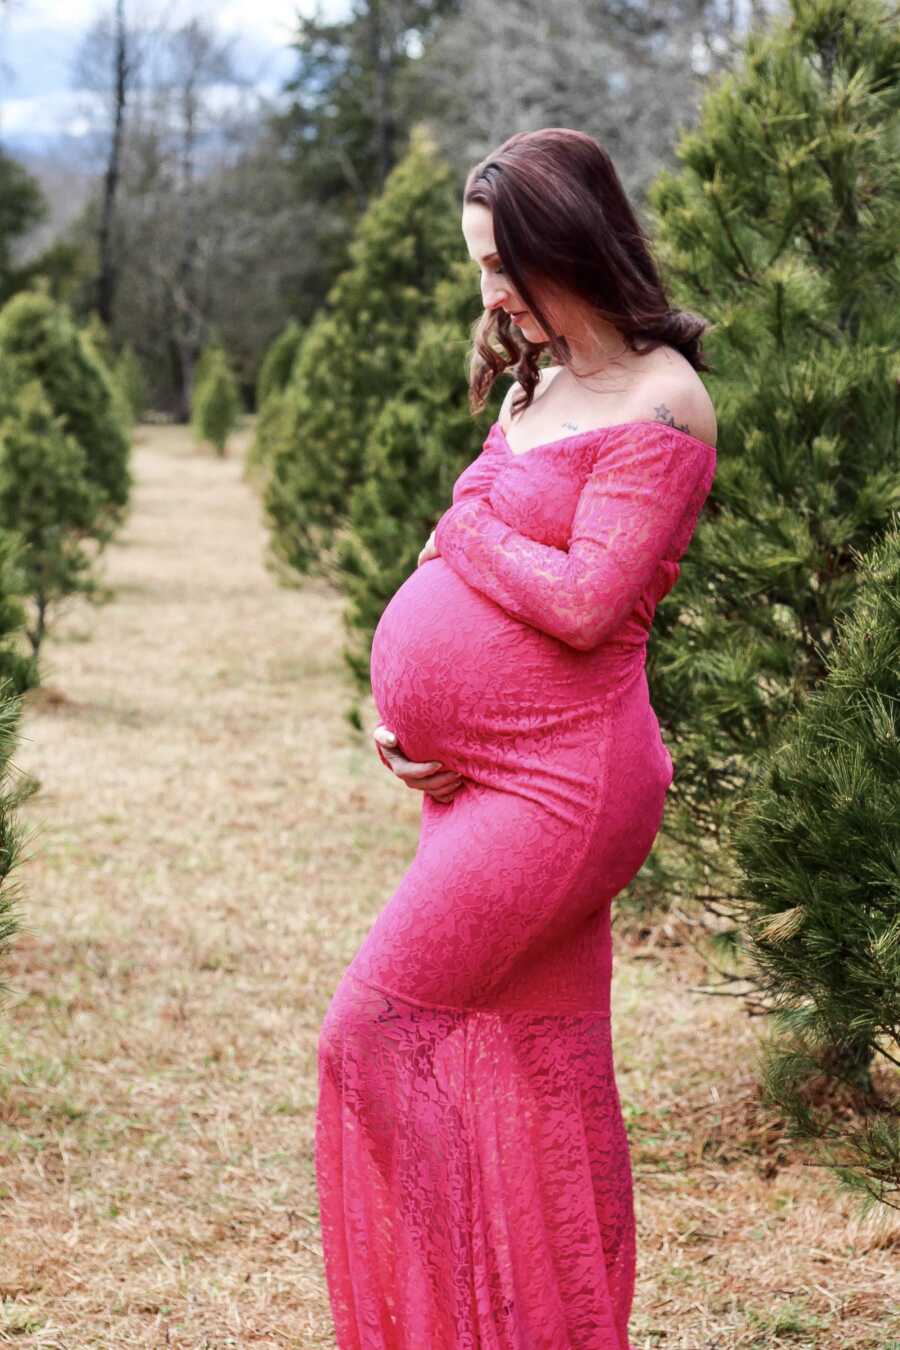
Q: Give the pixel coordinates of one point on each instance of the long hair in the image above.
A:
(560, 214)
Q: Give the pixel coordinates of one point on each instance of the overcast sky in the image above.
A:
(39, 38)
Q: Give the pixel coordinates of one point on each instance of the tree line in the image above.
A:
(216, 209)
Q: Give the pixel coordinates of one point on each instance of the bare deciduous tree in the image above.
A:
(107, 69)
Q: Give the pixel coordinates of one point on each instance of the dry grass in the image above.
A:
(213, 840)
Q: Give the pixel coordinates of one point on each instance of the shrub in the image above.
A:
(48, 501)
(217, 405)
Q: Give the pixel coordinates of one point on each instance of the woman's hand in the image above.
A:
(428, 776)
(429, 551)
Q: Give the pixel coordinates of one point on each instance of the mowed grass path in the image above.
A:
(212, 840)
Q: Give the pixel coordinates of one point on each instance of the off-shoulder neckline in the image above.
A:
(599, 431)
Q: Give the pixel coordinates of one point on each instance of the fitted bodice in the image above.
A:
(536, 493)
(536, 614)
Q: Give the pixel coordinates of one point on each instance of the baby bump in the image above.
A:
(460, 680)
(447, 663)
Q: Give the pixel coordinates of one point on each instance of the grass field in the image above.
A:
(211, 841)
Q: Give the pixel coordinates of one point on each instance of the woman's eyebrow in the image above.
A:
(486, 257)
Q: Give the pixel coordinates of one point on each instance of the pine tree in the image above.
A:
(129, 375)
(278, 362)
(24, 207)
(97, 333)
(213, 352)
(99, 339)
(271, 398)
(352, 357)
(782, 227)
(13, 791)
(40, 341)
(819, 853)
(18, 671)
(217, 403)
(421, 441)
(48, 501)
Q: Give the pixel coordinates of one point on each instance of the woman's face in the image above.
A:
(497, 291)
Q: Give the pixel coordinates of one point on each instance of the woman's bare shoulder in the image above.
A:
(679, 402)
(673, 392)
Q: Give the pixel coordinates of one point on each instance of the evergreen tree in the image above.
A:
(419, 444)
(100, 341)
(22, 206)
(100, 338)
(129, 375)
(217, 403)
(48, 501)
(278, 363)
(13, 792)
(352, 357)
(782, 226)
(819, 854)
(39, 340)
(18, 671)
(212, 353)
(271, 399)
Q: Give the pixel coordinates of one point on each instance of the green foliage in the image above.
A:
(340, 80)
(17, 670)
(40, 341)
(819, 852)
(272, 428)
(212, 353)
(217, 403)
(12, 794)
(278, 363)
(22, 206)
(100, 341)
(782, 227)
(352, 358)
(130, 377)
(419, 444)
(48, 501)
(64, 269)
(271, 400)
(100, 338)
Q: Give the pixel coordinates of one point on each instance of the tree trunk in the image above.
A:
(106, 282)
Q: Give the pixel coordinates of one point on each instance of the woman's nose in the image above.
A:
(494, 296)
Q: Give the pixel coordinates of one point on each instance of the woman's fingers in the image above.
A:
(409, 768)
(424, 775)
(428, 777)
(428, 550)
(438, 781)
(384, 740)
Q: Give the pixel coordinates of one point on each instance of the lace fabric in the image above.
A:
(638, 506)
(471, 1157)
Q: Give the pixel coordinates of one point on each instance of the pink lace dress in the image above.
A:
(472, 1161)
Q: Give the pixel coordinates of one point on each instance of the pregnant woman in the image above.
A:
(472, 1161)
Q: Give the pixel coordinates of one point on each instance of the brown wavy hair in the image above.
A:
(560, 212)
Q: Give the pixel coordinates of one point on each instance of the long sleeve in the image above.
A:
(639, 505)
